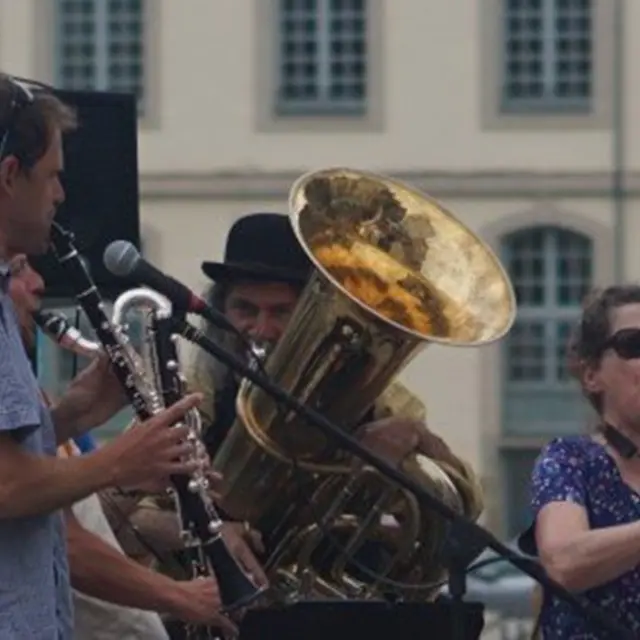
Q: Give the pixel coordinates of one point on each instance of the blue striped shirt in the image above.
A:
(35, 595)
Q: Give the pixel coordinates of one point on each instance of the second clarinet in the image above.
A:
(152, 384)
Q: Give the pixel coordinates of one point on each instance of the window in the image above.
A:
(548, 48)
(100, 45)
(322, 57)
(551, 270)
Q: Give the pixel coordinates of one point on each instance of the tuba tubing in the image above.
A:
(393, 271)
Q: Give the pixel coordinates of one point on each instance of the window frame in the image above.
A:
(49, 58)
(551, 314)
(599, 115)
(549, 35)
(270, 118)
(494, 439)
(323, 105)
(512, 443)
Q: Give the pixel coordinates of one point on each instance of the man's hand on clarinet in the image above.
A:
(198, 602)
(158, 487)
(153, 450)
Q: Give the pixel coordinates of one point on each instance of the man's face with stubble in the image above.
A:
(261, 311)
(29, 198)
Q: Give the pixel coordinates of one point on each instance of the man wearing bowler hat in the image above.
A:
(257, 287)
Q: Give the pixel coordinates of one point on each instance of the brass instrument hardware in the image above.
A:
(394, 272)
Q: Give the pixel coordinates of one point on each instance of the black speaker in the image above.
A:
(101, 184)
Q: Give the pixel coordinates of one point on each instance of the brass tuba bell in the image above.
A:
(394, 271)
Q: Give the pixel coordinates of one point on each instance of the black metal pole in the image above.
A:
(618, 194)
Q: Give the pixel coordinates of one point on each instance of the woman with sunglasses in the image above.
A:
(586, 489)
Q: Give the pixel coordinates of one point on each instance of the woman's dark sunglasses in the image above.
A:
(626, 343)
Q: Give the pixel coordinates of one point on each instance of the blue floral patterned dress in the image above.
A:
(580, 470)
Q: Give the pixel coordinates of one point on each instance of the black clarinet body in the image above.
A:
(200, 523)
(198, 516)
(92, 304)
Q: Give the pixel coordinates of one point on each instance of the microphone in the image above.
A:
(123, 260)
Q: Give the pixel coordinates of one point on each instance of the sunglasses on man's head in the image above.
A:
(626, 343)
(22, 91)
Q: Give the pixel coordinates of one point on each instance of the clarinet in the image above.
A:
(58, 328)
(201, 525)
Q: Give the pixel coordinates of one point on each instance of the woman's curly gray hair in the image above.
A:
(589, 338)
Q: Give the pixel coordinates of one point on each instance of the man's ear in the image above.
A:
(9, 172)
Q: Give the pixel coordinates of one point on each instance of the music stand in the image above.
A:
(348, 620)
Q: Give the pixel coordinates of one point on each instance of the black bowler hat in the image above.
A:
(261, 246)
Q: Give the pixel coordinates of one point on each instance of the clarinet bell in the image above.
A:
(237, 589)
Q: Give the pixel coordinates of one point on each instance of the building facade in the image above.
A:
(517, 114)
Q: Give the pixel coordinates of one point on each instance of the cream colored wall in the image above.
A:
(208, 75)
(431, 100)
(632, 83)
(632, 241)
(17, 22)
(207, 79)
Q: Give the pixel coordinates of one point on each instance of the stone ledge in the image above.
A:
(266, 186)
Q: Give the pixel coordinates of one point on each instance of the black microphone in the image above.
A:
(123, 260)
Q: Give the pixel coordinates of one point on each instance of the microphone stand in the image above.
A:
(466, 532)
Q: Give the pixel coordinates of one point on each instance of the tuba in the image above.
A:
(393, 272)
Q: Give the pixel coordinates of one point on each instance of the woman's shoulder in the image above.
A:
(575, 451)
(565, 471)
(570, 445)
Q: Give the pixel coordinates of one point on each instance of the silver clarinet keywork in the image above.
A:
(153, 381)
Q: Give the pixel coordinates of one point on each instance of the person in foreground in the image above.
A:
(114, 597)
(585, 489)
(35, 595)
